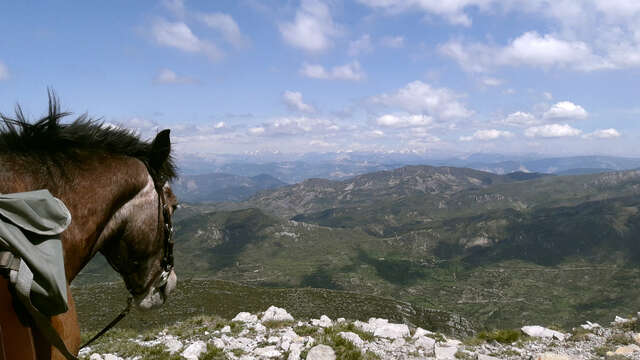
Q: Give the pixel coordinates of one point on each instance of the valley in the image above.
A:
(500, 250)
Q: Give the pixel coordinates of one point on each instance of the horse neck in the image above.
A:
(93, 190)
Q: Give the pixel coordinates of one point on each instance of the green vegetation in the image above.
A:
(345, 350)
(500, 252)
(502, 336)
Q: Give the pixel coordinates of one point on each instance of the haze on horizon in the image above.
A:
(433, 77)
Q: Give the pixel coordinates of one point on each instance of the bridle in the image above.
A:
(165, 227)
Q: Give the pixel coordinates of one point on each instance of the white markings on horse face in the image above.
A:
(157, 295)
(138, 253)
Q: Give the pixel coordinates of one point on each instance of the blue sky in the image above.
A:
(555, 77)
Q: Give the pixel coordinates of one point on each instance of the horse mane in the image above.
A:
(51, 141)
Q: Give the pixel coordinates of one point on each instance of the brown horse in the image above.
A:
(116, 188)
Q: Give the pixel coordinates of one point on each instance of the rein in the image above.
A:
(166, 263)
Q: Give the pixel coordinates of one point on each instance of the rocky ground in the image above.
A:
(275, 334)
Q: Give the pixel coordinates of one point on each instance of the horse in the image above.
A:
(116, 187)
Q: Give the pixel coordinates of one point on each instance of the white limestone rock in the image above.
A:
(245, 317)
(445, 352)
(392, 331)
(486, 357)
(627, 350)
(226, 329)
(294, 351)
(425, 343)
(421, 332)
(193, 351)
(321, 352)
(95, 356)
(323, 322)
(274, 313)
(552, 356)
(267, 352)
(619, 320)
(590, 326)
(353, 338)
(539, 331)
(172, 344)
(111, 357)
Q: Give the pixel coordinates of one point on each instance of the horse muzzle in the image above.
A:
(158, 292)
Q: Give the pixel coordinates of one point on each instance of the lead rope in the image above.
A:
(113, 323)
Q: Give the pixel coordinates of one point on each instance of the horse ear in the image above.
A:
(160, 149)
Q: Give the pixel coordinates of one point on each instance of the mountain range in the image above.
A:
(501, 250)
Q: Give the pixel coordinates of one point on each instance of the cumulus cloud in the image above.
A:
(487, 135)
(351, 71)
(566, 110)
(392, 41)
(397, 121)
(602, 134)
(530, 49)
(453, 11)
(312, 29)
(293, 100)
(294, 126)
(418, 97)
(552, 131)
(4, 71)
(225, 24)
(489, 81)
(520, 118)
(175, 6)
(179, 36)
(360, 46)
(167, 76)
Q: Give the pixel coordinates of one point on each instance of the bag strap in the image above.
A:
(22, 281)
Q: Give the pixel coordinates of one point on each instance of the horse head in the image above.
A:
(139, 244)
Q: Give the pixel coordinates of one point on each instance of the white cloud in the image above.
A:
(520, 118)
(421, 98)
(219, 125)
(167, 76)
(360, 46)
(489, 81)
(392, 41)
(376, 133)
(320, 143)
(552, 131)
(312, 29)
(226, 25)
(398, 121)
(529, 49)
(603, 134)
(293, 100)
(314, 71)
(175, 6)
(258, 130)
(351, 71)
(178, 35)
(452, 10)
(486, 135)
(547, 95)
(566, 110)
(4, 71)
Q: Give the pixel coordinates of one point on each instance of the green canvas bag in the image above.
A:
(30, 225)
